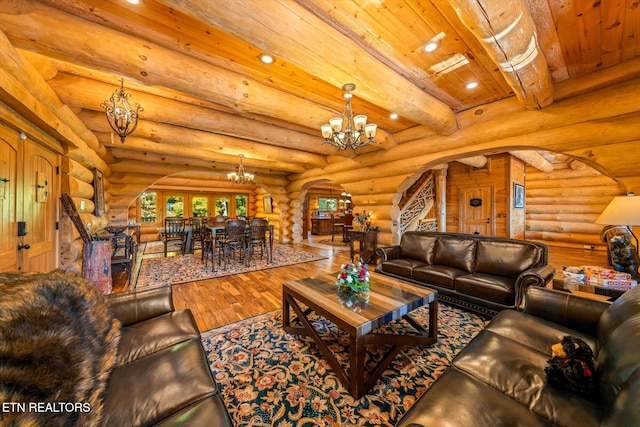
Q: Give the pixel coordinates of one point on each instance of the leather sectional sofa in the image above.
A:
(498, 379)
(162, 376)
(127, 359)
(484, 274)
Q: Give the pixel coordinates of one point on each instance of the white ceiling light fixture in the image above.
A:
(348, 131)
(240, 176)
(472, 85)
(393, 116)
(267, 59)
(434, 43)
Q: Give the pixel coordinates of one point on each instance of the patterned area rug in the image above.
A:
(270, 378)
(158, 248)
(178, 269)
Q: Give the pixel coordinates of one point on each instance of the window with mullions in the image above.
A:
(327, 204)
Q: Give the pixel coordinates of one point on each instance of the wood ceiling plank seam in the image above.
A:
(590, 34)
(611, 27)
(564, 14)
(631, 24)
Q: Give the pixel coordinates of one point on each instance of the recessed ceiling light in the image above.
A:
(393, 116)
(134, 1)
(434, 43)
(472, 85)
(266, 58)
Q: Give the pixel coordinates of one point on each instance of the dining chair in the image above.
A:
(198, 224)
(347, 225)
(257, 237)
(124, 254)
(234, 240)
(174, 232)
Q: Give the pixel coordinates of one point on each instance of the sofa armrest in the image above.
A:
(564, 308)
(539, 275)
(388, 253)
(138, 305)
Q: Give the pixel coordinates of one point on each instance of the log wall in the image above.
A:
(561, 206)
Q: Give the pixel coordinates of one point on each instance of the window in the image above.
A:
(199, 206)
(325, 204)
(241, 205)
(222, 206)
(148, 206)
(174, 206)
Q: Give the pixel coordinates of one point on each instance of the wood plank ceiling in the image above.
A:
(194, 67)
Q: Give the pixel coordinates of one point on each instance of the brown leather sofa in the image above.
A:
(162, 376)
(498, 379)
(484, 274)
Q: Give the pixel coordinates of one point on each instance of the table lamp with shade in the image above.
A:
(623, 211)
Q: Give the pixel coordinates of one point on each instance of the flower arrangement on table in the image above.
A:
(363, 220)
(353, 285)
(353, 276)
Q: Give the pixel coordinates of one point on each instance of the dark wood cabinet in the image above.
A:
(321, 226)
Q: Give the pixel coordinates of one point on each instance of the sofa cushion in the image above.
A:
(455, 252)
(152, 388)
(417, 246)
(401, 266)
(625, 410)
(618, 359)
(58, 343)
(441, 275)
(208, 412)
(532, 331)
(143, 338)
(507, 259)
(518, 371)
(498, 289)
(619, 312)
(483, 406)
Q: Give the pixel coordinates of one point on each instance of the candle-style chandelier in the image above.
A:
(348, 131)
(240, 176)
(122, 116)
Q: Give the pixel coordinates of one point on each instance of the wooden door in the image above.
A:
(40, 208)
(476, 211)
(8, 197)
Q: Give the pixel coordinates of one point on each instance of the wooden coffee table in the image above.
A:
(389, 299)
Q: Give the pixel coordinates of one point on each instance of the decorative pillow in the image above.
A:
(572, 366)
(58, 346)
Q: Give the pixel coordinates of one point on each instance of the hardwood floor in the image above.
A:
(228, 299)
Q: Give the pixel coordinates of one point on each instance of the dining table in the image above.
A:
(216, 229)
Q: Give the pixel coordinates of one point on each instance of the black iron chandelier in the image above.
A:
(348, 131)
(122, 116)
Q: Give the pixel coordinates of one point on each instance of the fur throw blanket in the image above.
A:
(58, 347)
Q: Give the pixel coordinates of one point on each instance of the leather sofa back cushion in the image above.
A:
(455, 252)
(418, 247)
(619, 312)
(505, 259)
(618, 359)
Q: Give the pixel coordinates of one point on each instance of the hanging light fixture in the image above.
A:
(240, 176)
(348, 131)
(122, 117)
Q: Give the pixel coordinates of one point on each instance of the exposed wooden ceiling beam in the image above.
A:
(508, 32)
(293, 34)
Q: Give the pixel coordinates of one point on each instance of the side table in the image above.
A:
(364, 243)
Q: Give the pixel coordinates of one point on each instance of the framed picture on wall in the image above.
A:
(98, 196)
(267, 203)
(518, 196)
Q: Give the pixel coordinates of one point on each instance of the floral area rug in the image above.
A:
(178, 269)
(268, 377)
(158, 248)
